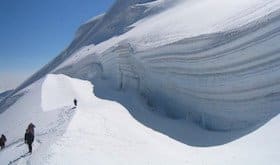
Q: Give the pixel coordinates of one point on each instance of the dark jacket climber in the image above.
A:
(28, 139)
(75, 102)
(2, 141)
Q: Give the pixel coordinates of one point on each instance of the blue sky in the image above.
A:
(32, 32)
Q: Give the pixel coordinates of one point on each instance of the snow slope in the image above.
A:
(175, 82)
(103, 132)
(37, 105)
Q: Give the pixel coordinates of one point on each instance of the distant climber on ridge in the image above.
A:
(2, 141)
(75, 102)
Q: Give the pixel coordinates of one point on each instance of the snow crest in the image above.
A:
(60, 87)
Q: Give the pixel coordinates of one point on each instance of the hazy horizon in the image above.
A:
(34, 32)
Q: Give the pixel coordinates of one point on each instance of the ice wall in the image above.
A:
(222, 81)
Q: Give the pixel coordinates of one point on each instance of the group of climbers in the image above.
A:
(29, 134)
(28, 137)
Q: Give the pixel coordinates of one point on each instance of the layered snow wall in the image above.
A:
(222, 81)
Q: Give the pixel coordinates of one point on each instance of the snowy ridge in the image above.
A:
(203, 72)
(158, 82)
(222, 81)
(227, 64)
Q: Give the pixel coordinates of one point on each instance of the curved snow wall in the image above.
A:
(222, 81)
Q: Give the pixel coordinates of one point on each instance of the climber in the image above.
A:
(75, 102)
(2, 141)
(29, 136)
